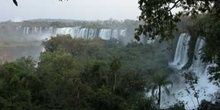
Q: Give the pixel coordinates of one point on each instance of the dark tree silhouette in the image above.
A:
(15, 2)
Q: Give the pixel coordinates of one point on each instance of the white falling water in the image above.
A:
(105, 34)
(77, 32)
(26, 30)
(67, 30)
(205, 89)
(92, 33)
(197, 65)
(148, 40)
(35, 30)
(122, 32)
(50, 30)
(83, 33)
(181, 57)
(40, 30)
(115, 33)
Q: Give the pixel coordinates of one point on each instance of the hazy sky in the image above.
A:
(71, 9)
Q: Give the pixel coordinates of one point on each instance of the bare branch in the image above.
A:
(174, 5)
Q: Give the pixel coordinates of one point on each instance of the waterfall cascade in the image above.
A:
(204, 88)
(38, 30)
(125, 35)
(77, 32)
(89, 33)
(181, 57)
(197, 65)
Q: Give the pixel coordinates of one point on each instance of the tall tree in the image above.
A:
(115, 66)
(160, 81)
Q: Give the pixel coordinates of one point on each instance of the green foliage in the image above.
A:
(95, 75)
(58, 42)
(59, 76)
(131, 82)
(81, 75)
(104, 99)
(159, 18)
(207, 105)
(145, 104)
(15, 81)
(178, 106)
(115, 65)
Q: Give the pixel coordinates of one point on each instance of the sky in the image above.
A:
(71, 9)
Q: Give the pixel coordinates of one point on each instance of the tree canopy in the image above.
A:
(159, 17)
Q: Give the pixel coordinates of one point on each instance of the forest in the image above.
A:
(82, 75)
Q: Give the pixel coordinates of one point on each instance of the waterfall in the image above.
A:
(78, 32)
(89, 33)
(35, 30)
(83, 33)
(67, 30)
(122, 32)
(40, 30)
(204, 88)
(92, 33)
(105, 34)
(145, 39)
(115, 33)
(181, 57)
(51, 30)
(26, 30)
(201, 70)
(198, 66)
